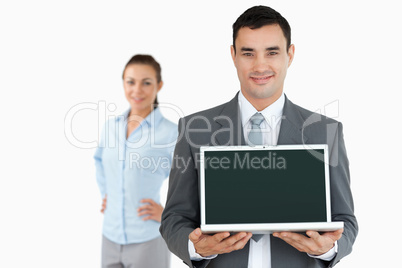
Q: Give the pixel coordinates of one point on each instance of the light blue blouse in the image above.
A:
(128, 170)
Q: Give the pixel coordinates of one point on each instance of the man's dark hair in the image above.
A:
(259, 16)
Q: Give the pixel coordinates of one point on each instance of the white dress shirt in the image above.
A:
(260, 252)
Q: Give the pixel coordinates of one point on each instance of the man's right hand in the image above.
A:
(219, 243)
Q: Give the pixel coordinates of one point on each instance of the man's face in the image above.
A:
(262, 59)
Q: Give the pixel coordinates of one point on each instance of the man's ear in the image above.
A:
(233, 52)
(291, 54)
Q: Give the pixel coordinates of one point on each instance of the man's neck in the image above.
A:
(261, 104)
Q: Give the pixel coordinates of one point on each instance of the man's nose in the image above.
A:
(260, 64)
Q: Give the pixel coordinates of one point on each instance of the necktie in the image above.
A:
(255, 134)
(255, 138)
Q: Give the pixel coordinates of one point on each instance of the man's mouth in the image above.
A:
(261, 80)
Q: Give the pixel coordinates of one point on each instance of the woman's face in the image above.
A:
(140, 87)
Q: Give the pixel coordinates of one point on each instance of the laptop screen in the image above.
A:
(281, 184)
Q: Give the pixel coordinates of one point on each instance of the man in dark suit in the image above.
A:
(262, 52)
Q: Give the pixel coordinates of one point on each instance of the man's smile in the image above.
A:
(261, 80)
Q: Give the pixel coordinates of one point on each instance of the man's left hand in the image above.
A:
(315, 244)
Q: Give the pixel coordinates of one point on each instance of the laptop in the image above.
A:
(265, 189)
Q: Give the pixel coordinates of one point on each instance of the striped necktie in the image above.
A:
(255, 134)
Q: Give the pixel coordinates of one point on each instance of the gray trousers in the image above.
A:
(150, 254)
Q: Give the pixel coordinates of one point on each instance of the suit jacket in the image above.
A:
(222, 126)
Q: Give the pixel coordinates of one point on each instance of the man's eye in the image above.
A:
(247, 54)
(273, 53)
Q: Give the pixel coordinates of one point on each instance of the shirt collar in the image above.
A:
(152, 119)
(272, 114)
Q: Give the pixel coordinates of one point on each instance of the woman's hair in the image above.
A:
(147, 60)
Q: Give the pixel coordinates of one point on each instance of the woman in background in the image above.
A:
(132, 161)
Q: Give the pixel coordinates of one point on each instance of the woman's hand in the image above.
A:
(104, 204)
(151, 209)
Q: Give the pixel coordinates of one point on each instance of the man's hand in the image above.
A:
(104, 204)
(315, 244)
(152, 209)
(207, 245)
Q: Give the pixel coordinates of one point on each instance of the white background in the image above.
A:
(55, 55)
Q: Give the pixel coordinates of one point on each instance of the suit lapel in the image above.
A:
(228, 129)
(291, 125)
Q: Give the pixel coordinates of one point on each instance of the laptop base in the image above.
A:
(269, 228)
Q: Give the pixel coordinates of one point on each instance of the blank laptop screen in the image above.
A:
(264, 186)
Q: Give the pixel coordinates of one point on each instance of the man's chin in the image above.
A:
(259, 93)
